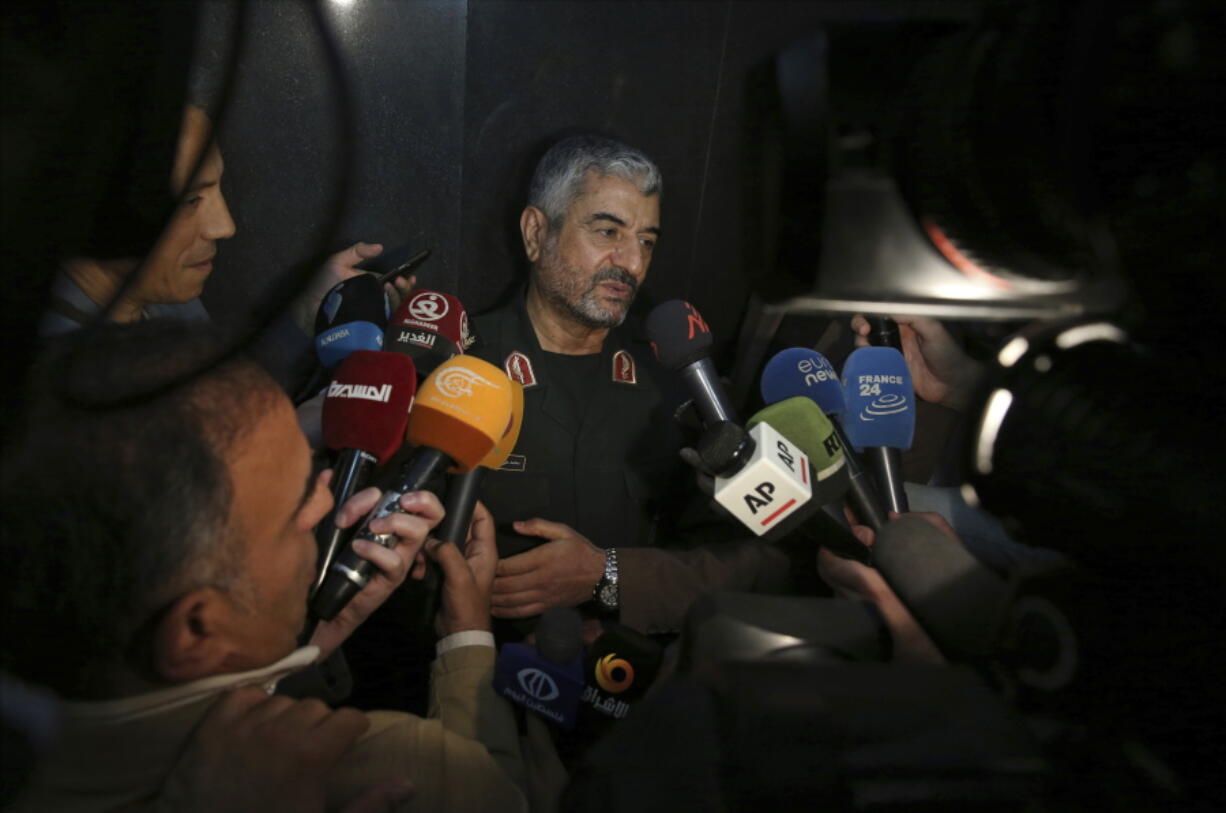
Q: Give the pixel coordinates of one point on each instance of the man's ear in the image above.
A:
(533, 225)
(192, 639)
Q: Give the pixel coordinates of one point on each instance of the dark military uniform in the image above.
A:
(598, 447)
(613, 472)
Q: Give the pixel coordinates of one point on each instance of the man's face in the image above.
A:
(182, 258)
(277, 502)
(593, 264)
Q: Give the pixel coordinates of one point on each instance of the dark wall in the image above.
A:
(456, 100)
(405, 65)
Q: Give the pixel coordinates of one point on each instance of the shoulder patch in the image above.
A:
(623, 368)
(519, 369)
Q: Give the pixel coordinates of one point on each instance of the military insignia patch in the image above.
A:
(623, 368)
(519, 368)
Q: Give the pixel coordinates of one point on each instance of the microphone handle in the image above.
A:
(883, 332)
(353, 467)
(861, 491)
(887, 463)
(709, 396)
(350, 573)
(462, 494)
(461, 500)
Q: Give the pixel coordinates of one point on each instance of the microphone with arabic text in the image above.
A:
(462, 409)
(682, 342)
(546, 679)
(429, 327)
(799, 371)
(365, 412)
(619, 668)
(352, 316)
(880, 415)
(462, 494)
(463, 489)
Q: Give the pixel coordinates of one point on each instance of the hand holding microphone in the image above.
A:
(468, 576)
(365, 411)
(463, 408)
(420, 512)
(940, 371)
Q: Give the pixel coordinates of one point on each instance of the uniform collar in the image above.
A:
(523, 358)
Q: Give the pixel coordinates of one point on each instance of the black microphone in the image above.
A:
(682, 342)
(621, 665)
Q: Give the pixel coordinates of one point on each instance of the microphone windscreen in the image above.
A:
(559, 634)
(336, 343)
(807, 427)
(462, 409)
(880, 399)
(429, 327)
(722, 448)
(955, 598)
(506, 444)
(678, 334)
(367, 404)
(357, 299)
(801, 371)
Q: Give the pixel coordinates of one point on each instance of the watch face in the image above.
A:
(608, 596)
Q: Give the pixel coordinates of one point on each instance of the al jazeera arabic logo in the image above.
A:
(614, 674)
(459, 382)
(889, 404)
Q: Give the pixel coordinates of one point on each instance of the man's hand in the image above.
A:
(940, 371)
(854, 581)
(394, 564)
(468, 577)
(255, 752)
(560, 573)
(339, 267)
(343, 265)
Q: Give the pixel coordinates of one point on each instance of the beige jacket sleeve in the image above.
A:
(464, 757)
(656, 586)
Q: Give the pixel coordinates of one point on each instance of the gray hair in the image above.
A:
(560, 174)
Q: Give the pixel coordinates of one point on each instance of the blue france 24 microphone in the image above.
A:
(546, 679)
(799, 371)
(880, 415)
(352, 316)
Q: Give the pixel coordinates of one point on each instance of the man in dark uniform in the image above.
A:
(595, 479)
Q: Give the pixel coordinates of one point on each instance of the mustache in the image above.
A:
(615, 275)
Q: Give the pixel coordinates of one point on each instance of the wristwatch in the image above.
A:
(605, 592)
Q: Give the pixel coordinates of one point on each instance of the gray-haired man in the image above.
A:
(595, 479)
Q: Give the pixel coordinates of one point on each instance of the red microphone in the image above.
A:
(365, 412)
(429, 327)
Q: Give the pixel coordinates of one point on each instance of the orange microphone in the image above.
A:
(462, 490)
(462, 410)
